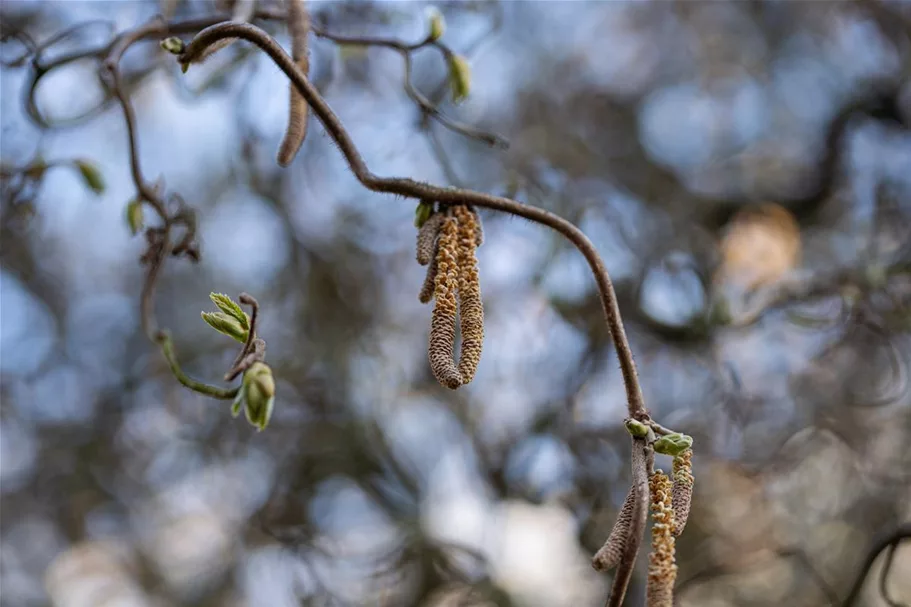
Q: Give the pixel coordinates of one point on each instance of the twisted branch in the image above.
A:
(410, 188)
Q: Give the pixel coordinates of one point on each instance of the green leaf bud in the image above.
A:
(225, 324)
(459, 77)
(673, 444)
(90, 175)
(259, 394)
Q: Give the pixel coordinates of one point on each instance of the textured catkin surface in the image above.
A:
(682, 492)
(299, 30)
(429, 286)
(479, 227)
(662, 568)
(443, 320)
(427, 238)
(612, 551)
(471, 308)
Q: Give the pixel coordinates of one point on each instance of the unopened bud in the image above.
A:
(636, 428)
(437, 24)
(134, 216)
(422, 213)
(673, 444)
(459, 77)
(173, 45)
(258, 394)
(90, 175)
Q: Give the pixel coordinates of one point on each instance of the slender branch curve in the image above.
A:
(419, 190)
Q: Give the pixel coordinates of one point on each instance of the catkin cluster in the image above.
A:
(682, 492)
(662, 568)
(446, 243)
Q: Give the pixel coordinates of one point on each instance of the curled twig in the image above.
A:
(424, 191)
(254, 349)
(167, 349)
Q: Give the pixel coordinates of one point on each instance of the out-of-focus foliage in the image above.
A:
(688, 139)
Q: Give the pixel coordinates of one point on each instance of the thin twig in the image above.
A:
(167, 348)
(428, 107)
(254, 349)
(159, 238)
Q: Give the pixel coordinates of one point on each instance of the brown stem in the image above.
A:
(159, 238)
(451, 196)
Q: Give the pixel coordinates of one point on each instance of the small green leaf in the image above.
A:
(225, 324)
(90, 175)
(437, 24)
(227, 305)
(422, 213)
(238, 403)
(134, 216)
(673, 444)
(459, 77)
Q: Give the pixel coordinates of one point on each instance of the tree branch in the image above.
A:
(419, 190)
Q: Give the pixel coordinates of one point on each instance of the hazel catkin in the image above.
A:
(682, 492)
(443, 319)
(609, 555)
(662, 568)
(427, 237)
(296, 132)
(479, 227)
(429, 286)
(471, 308)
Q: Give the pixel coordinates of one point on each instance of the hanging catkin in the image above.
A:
(427, 237)
(299, 30)
(612, 551)
(443, 320)
(471, 309)
(682, 492)
(429, 286)
(662, 568)
(479, 227)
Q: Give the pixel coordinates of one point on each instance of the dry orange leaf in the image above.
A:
(760, 245)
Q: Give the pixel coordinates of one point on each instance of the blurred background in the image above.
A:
(743, 168)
